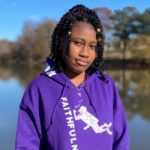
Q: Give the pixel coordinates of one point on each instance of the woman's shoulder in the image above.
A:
(106, 83)
(105, 78)
(38, 81)
(35, 82)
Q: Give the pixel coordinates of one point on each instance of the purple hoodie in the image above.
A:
(55, 115)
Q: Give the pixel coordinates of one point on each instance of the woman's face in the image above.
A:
(82, 49)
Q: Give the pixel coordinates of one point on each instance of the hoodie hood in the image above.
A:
(61, 78)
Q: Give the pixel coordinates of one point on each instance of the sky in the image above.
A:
(13, 13)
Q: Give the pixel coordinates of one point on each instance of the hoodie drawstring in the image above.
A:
(91, 103)
(62, 93)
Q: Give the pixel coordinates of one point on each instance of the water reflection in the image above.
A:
(134, 87)
(140, 133)
(10, 92)
(24, 73)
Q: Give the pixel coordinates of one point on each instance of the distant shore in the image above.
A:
(127, 63)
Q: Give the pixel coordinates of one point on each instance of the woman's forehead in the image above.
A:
(84, 30)
(83, 27)
(83, 24)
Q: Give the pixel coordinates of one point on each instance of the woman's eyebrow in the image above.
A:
(78, 38)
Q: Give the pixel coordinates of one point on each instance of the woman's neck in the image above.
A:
(78, 79)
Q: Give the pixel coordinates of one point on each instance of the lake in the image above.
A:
(133, 85)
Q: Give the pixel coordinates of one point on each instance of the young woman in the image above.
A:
(72, 105)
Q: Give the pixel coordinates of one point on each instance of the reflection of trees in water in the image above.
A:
(24, 73)
(134, 87)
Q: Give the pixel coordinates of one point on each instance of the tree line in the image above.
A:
(127, 35)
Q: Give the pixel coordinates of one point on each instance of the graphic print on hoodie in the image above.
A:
(55, 115)
(91, 121)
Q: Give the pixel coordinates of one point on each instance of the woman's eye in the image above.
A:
(78, 43)
(93, 46)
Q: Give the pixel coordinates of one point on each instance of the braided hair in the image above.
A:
(78, 13)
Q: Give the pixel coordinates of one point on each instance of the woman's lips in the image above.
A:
(82, 62)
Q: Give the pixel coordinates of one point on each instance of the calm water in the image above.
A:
(134, 87)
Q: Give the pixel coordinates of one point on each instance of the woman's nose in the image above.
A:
(84, 51)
